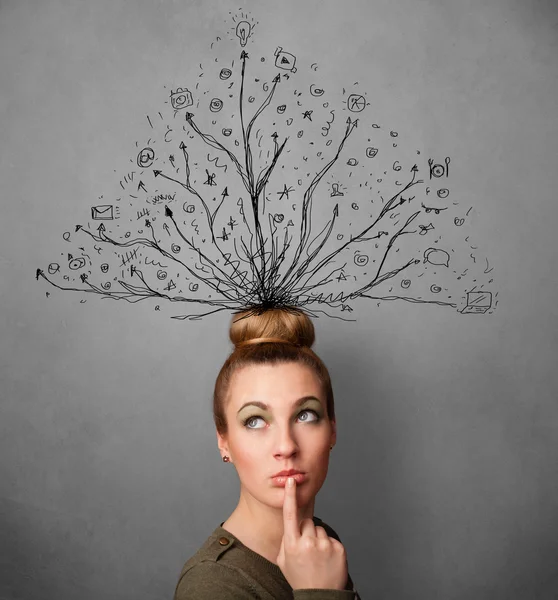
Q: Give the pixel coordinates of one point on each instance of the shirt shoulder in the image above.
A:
(223, 568)
(206, 576)
(207, 580)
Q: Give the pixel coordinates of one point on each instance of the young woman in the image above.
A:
(274, 412)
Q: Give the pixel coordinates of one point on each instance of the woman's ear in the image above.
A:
(333, 433)
(222, 443)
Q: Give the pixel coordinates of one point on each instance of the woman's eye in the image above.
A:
(307, 410)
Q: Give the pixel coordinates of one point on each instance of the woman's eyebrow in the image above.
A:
(265, 406)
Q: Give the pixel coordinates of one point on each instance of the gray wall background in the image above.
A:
(443, 482)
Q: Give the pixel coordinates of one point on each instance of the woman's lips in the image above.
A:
(281, 481)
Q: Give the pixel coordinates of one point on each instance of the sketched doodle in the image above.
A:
(433, 208)
(284, 60)
(243, 31)
(437, 257)
(361, 259)
(316, 91)
(344, 239)
(335, 190)
(182, 98)
(438, 170)
(478, 302)
(356, 103)
(145, 157)
(76, 263)
(424, 229)
(104, 212)
(215, 105)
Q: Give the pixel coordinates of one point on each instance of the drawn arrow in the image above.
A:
(225, 193)
(414, 169)
(155, 172)
(142, 186)
(78, 227)
(168, 211)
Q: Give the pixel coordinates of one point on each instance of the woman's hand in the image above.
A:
(309, 558)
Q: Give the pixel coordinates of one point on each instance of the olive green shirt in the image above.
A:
(225, 569)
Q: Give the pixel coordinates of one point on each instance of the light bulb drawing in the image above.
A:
(243, 31)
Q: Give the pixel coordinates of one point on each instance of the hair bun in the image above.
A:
(290, 325)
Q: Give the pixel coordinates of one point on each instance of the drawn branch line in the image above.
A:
(209, 139)
(232, 282)
(410, 300)
(389, 206)
(253, 188)
(377, 280)
(188, 186)
(136, 294)
(153, 244)
(305, 226)
(268, 285)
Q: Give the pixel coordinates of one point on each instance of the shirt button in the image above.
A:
(223, 541)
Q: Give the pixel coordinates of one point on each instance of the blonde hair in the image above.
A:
(269, 336)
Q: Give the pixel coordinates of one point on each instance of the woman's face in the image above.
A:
(293, 432)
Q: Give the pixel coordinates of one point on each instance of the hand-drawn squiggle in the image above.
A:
(329, 123)
(214, 160)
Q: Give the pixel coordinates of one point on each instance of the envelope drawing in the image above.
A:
(103, 212)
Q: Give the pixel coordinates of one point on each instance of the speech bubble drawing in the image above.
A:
(436, 257)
